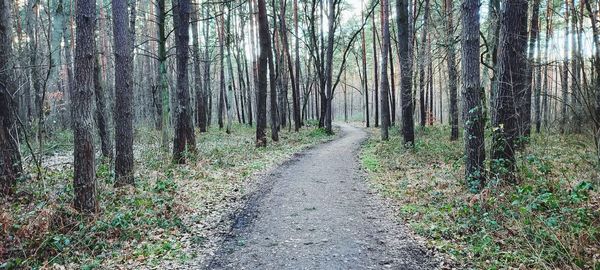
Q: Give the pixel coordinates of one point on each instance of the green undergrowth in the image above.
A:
(549, 220)
(161, 218)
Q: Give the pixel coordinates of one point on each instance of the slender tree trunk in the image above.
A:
(329, 66)
(512, 83)
(101, 116)
(471, 91)
(422, 63)
(198, 89)
(263, 31)
(294, 79)
(545, 105)
(230, 82)
(365, 86)
(375, 73)
(452, 73)
(392, 93)
(385, 46)
(565, 75)
(184, 130)
(525, 103)
(207, 81)
(163, 106)
(406, 80)
(84, 180)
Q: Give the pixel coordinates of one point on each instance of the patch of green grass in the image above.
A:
(549, 219)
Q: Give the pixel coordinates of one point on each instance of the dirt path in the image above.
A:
(317, 213)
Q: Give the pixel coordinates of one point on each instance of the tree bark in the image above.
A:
(198, 89)
(375, 73)
(261, 82)
(84, 181)
(512, 83)
(471, 91)
(184, 131)
(101, 115)
(10, 158)
(525, 103)
(408, 128)
(385, 46)
(422, 58)
(123, 94)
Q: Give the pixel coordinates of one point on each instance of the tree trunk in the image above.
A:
(261, 82)
(471, 91)
(184, 130)
(375, 73)
(422, 64)
(123, 94)
(163, 104)
(385, 46)
(365, 86)
(198, 89)
(525, 104)
(263, 31)
(101, 116)
(207, 81)
(512, 83)
(329, 66)
(10, 158)
(84, 178)
(565, 75)
(294, 79)
(408, 128)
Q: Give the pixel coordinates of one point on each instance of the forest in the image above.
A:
(299, 134)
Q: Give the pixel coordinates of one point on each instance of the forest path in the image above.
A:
(317, 213)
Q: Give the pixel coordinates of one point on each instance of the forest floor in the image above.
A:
(317, 212)
(170, 218)
(548, 219)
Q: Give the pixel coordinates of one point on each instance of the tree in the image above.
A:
(525, 104)
(329, 65)
(261, 83)
(184, 131)
(422, 63)
(198, 89)
(512, 83)
(365, 86)
(385, 46)
(10, 158)
(408, 126)
(452, 73)
(375, 73)
(123, 93)
(162, 89)
(471, 91)
(84, 178)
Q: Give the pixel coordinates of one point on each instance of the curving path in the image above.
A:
(318, 213)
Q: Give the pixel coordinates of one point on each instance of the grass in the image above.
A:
(548, 220)
(165, 217)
